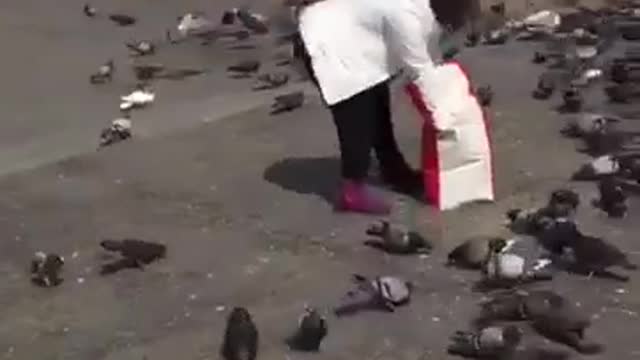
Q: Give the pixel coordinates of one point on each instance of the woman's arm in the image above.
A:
(407, 33)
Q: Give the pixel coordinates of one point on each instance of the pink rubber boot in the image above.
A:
(361, 198)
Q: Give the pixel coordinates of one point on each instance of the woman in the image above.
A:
(353, 49)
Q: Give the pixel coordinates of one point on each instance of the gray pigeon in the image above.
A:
(312, 329)
(46, 268)
(613, 199)
(601, 166)
(146, 72)
(241, 338)
(572, 100)
(491, 342)
(272, 80)
(245, 68)
(122, 19)
(588, 123)
(89, 10)
(396, 240)
(383, 292)
(287, 102)
(254, 22)
(519, 259)
(545, 87)
(471, 254)
(104, 73)
(141, 48)
(119, 130)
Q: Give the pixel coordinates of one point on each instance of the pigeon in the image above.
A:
(134, 252)
(287, 102)
(555, 239)
(594, 256)
(565, 325)
(89, 10)
(180, 74)
(499, 266)
(473, 38)
(471, 254)
(146, 72)
(629, 32)
(450, 53)
(498, 9)
(552, 315)
(629, 166)
(601, 166)
(383, 292)
(496, 37)
(622, 93)
(485, 95)
(530, 221)
(515, 261)
(545, 88)
(312, 329)
(140, 97)
(229, 17)
(46, 268)
(520, 305)
(241, 337)
(246, 67)
(122, 20)
(586, 77)
(539, 58)
(491, 342)
(588, 123)
(619, 72)
(563, 202)
(194, 24)
(104, 73)
(395, 240)
(606, 140)
(613, 199)
(141, 48)
(572, 100)
(254, 22)
(272, 80)
(119, 130)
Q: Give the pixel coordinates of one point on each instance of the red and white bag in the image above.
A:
(456, 148)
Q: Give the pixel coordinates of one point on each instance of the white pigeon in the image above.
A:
(138, 98)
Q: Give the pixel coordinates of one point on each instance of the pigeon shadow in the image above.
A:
(604, 274)
(240, 76)
(284, 62)
(242, 47)
(115, 266)
(315, 176)
(278, 111)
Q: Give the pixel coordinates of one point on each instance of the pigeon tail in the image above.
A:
(357, 300)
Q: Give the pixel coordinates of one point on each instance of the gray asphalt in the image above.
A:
(51, 110)
(241, 200)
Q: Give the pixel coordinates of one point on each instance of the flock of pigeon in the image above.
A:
(545, 241)
(193, 25)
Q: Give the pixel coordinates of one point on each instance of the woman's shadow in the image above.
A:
(315, 176)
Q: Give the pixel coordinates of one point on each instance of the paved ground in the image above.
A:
(242, 204)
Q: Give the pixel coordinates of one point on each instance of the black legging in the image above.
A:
(363, 122)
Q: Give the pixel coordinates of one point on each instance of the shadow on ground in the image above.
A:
(306, 175)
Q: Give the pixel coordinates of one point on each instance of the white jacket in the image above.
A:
(356, 44)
